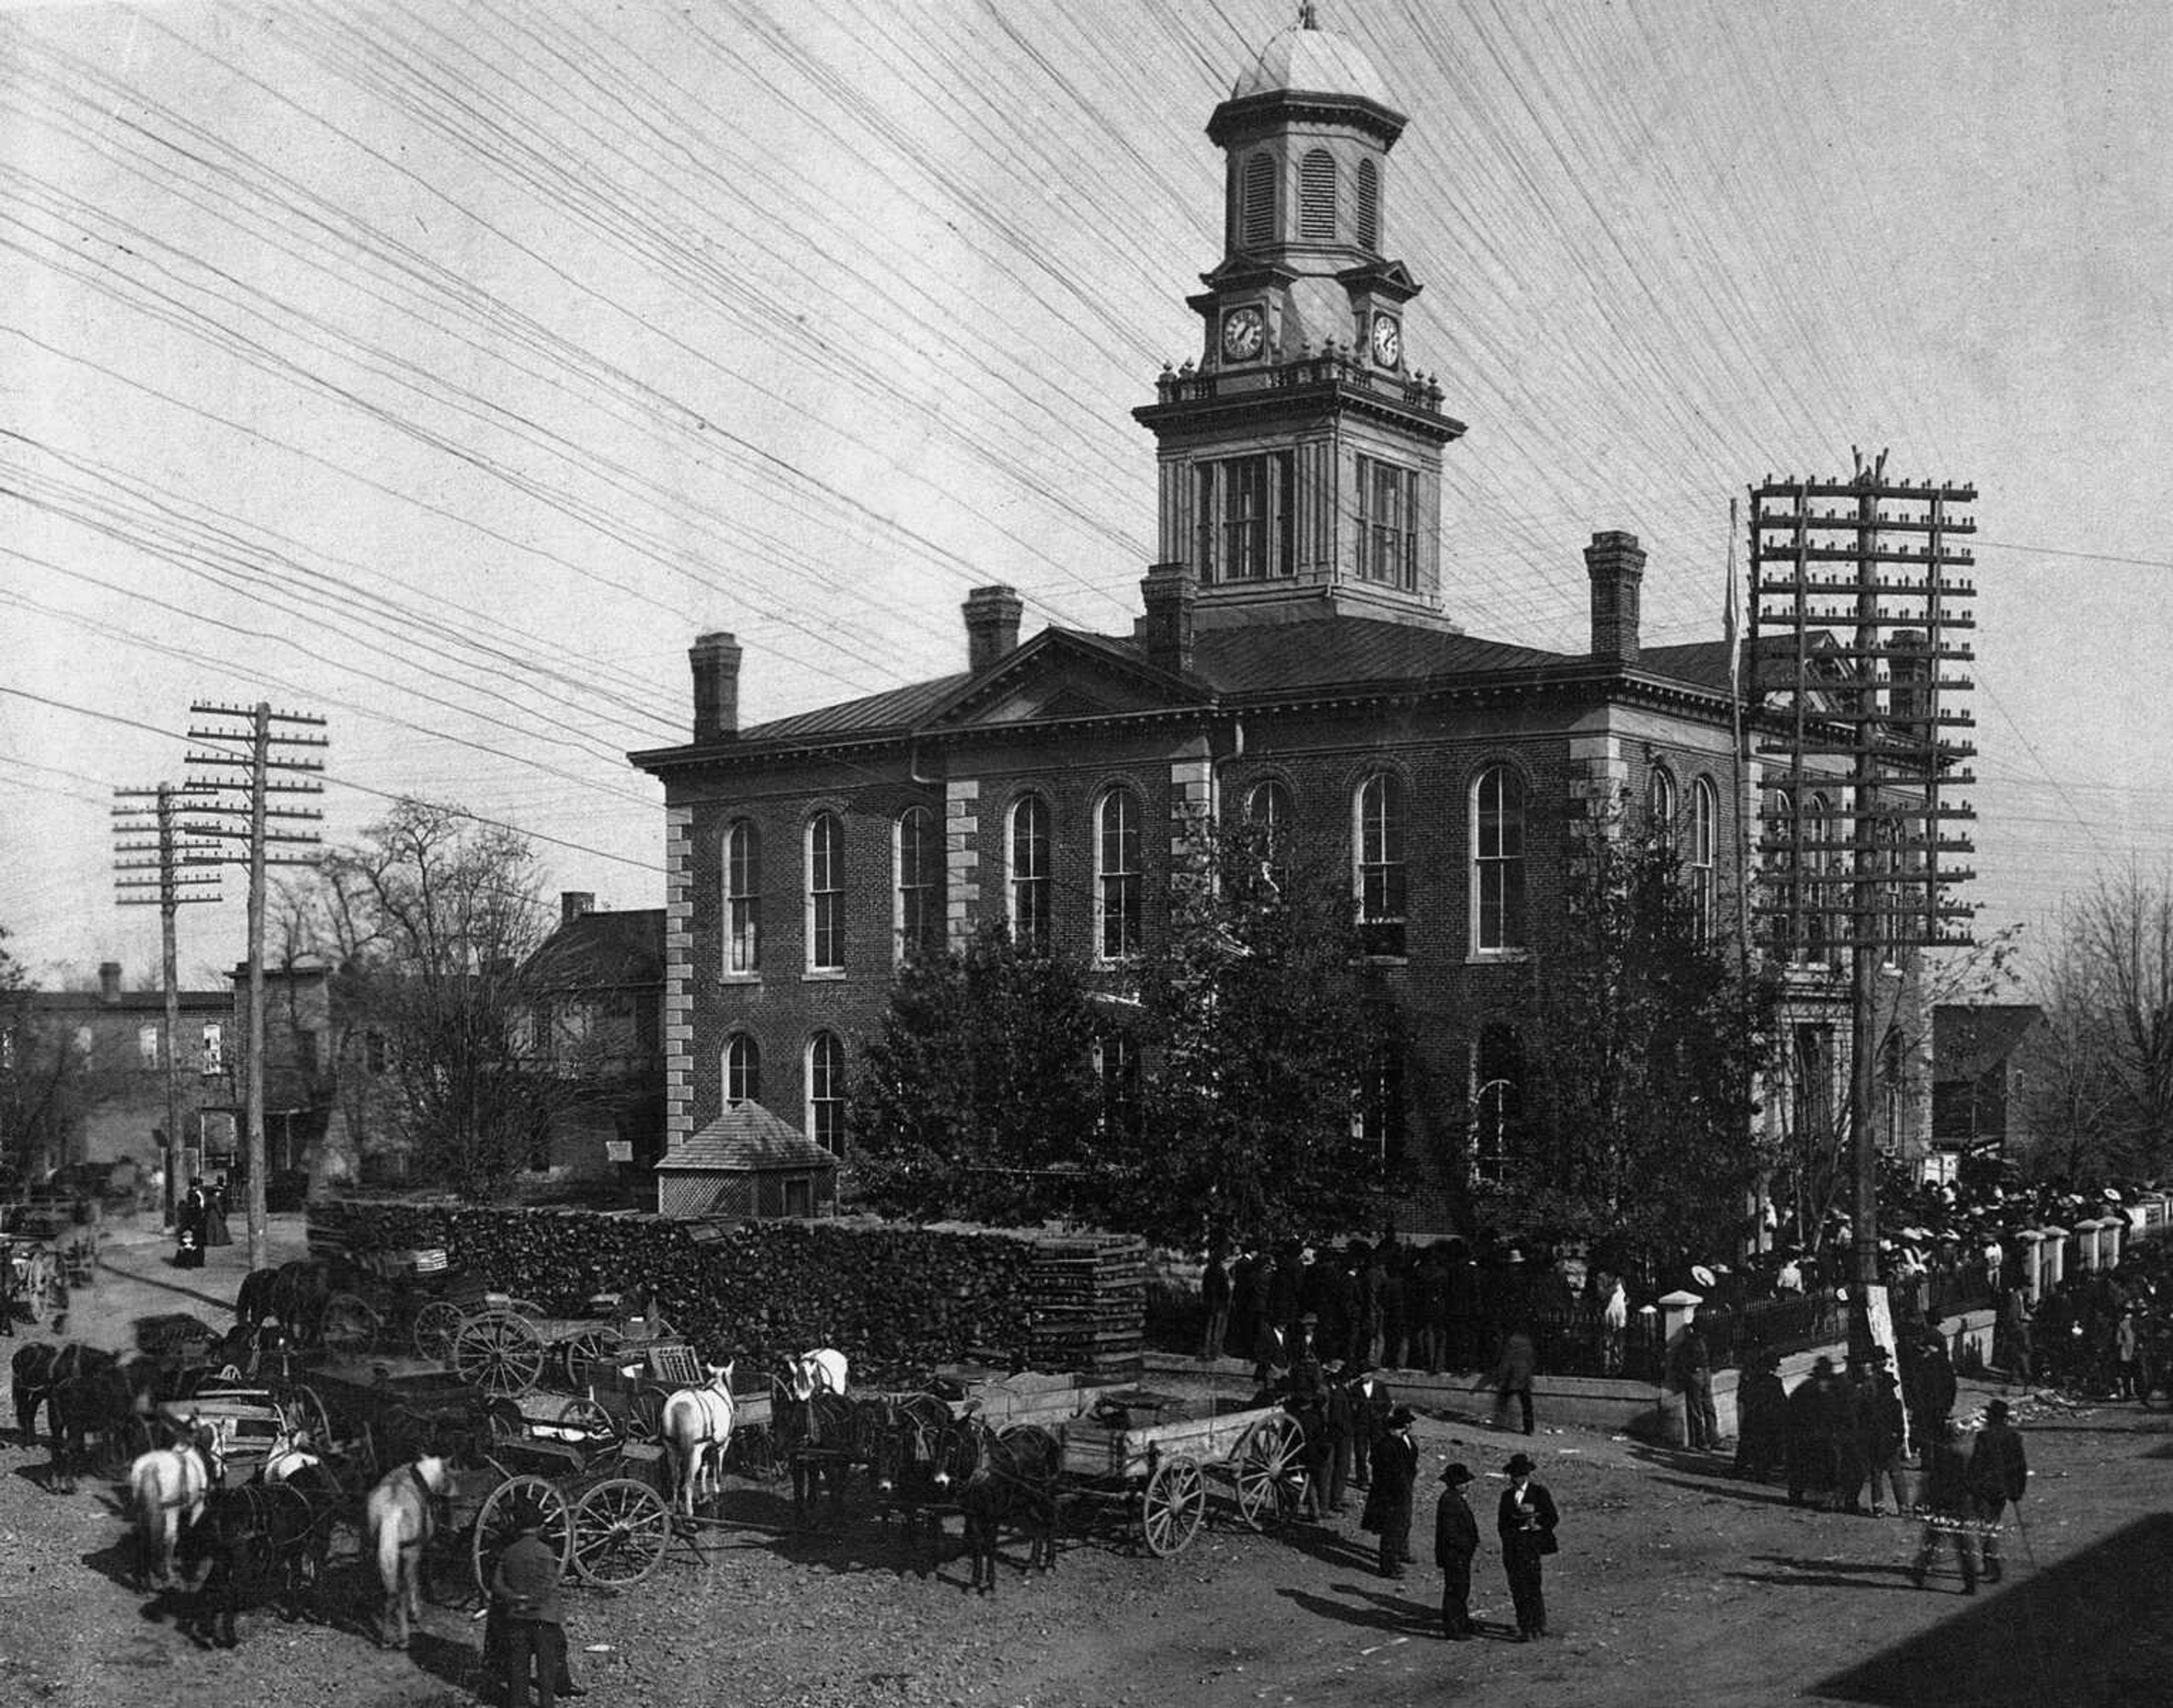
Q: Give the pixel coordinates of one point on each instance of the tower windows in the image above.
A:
(826, 894)
(742, 897)
(1497, 861)
(1244, 516)
(1316, 197)
(1388, 524)
(1029, 874)
(1257, 230)
(742, 1069)
(1369, 206)
(1117, 875)
(826, 1092)
(918, 916)
(1381, 877)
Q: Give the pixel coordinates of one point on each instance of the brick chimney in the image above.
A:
(715, 659)
(572, 903)
(109, 981)
(1616, 564)
(992, 625)
(1172, 595)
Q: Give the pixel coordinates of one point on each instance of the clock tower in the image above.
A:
(1301, 455)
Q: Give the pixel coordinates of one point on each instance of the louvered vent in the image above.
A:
(1369, 206)
(1316, 197)
(1260, 202)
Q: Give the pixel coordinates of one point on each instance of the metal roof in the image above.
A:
(745, 1138)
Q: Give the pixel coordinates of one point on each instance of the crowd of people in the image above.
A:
(200, 1222)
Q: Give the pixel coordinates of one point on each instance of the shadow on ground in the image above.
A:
(2095, 1631)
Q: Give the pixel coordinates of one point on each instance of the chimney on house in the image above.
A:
(572, 903)
(108, 982)
(1616, 564)
(715, 659)
(992, 625)
(1172, 593)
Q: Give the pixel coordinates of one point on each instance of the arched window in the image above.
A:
(1662, 804)
(1028, 874)
(1259, 222)
(1781, 875)
(1316, 197)
(826, 893)
(1497, 1096)
(1704, 853)
(1117, 875)
(826, 1092)
(1271, 816)
(917, 860)
(742, 1069)
(1369, 205)
(742, 897)
(1382, 880)
(1497, 861)
(1817, 831)
(1377, 1115)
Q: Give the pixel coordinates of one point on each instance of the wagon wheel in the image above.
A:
(305, 1407)
(590, 1358)
(1268, 1470)
(435, 1325)
(590, 1418)
(752, 1453)
(620, 1529)
(499, 1352)
(348, 1324)
(1174, 1503)
(644, 1414)
(493, 1525)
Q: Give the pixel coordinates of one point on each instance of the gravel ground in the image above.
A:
(1676, 1585)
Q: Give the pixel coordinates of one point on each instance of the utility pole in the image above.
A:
(171, 853)
(1865, 623)
(250, 799)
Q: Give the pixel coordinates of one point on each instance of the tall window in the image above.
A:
(1269, 813)
(1369, 205)
(1496, 1103)
(1029, 875)
(1377, 1118)
(1260, 221)
(826, 1092)
(1664, 806)
(1705, 849)
(918, 860)
(1497, 860)
(1316, 197)
(1381, 877)
(214, 1048)
(1242, 516)
(1388, 524)
(1117, 875)
(826, 893)
(1817, 831)
(147, 1046)
(742, 1069)
(742, 897)
(1117, 1072)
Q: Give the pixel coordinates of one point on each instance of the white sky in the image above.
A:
(445, 369)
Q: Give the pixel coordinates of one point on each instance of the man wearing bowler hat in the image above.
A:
(1526, 1522)
(1455, 1541)
(1389, 1501)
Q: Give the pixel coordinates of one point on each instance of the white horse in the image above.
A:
(167, 1487)
(697, 1426)
(820, 1371)
(399, 1520)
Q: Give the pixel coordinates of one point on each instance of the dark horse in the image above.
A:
(819, 1437)
(1008, 1479)
(263, 1541)
(252, 1301)
(111, 1401)
(39, 1368)
(297, 1296)
(915, 1461)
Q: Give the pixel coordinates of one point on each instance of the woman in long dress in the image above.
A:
(215, 1229)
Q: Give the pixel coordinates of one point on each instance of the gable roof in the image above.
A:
(745, 1138)
(1970, 1039)
(624, 946)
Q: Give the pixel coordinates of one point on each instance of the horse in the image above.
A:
(399, 1519)
(915, 1461)
(109, 1400)
(36, 1370)
(167, 1489)
(814, 1425)
(1006, 1481)
(297, 1294)
(253, 1300)
(696, 1428)
(270, 1536)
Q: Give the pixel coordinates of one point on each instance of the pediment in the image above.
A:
(1058, 675)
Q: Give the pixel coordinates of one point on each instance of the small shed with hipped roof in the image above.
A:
(747, 1162)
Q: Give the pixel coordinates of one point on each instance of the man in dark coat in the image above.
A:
(1761, 1417)
(1339, 1419)
(1998, 1473)
(531, 1618)
(1371, 1403)
(1428, 1306)
(1388, 1502)
(1455, 1541)
(1928, 1388)
(1882, 1435)
(1808, 1468)
(1526, 1522)
(1690, 1373)
(1283, 1307)
(1949, 1512)
(1215, 1301)
(1248, 1299)
(1512, 1377)
(1842, 1425)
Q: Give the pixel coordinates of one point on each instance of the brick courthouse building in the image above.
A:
(1296, 659)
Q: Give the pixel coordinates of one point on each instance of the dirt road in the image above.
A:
(1676, 1585)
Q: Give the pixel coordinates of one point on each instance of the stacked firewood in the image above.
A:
(1089, 1306)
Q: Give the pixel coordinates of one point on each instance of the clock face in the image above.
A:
(1243, 331)
(1388, 340)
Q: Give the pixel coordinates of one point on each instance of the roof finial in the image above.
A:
(1306, 19)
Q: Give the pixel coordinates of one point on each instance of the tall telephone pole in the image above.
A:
(249, 798)
(171, 854)
(1854, 584)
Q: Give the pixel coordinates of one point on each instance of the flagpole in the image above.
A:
(1746, 812)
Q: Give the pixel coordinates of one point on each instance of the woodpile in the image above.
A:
(1087, 1300)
